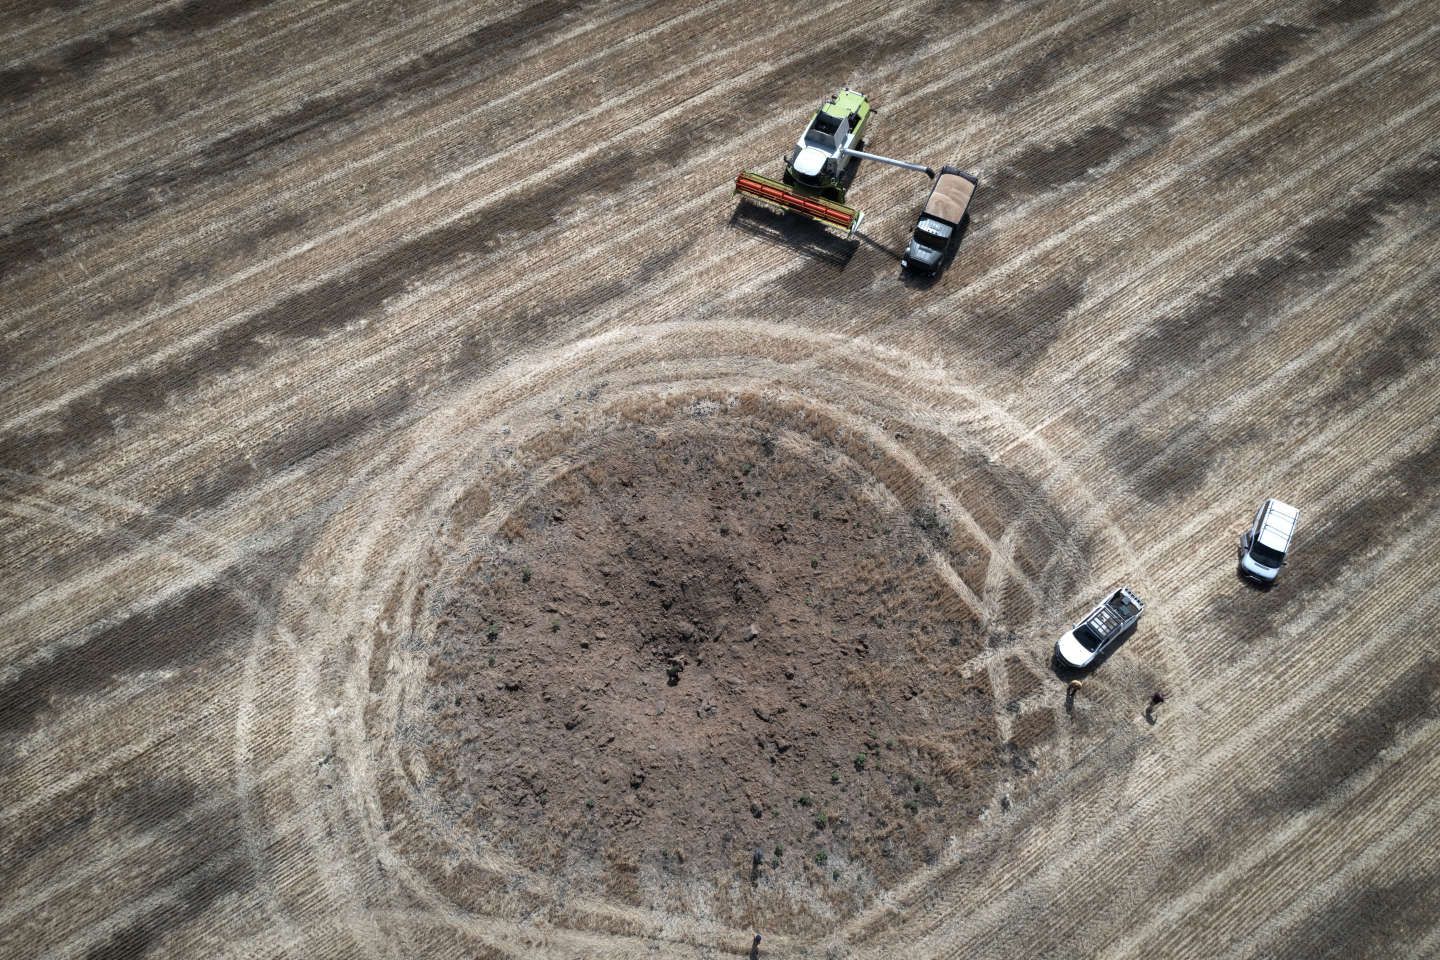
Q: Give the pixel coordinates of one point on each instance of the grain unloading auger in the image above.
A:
(820, 169)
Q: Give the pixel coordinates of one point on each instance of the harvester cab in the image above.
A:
(819, 161)
(819, 171)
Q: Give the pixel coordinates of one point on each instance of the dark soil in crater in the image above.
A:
(704, 643)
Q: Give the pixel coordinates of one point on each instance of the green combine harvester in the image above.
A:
(823, 164)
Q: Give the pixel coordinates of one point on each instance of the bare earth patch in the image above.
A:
(700, 644)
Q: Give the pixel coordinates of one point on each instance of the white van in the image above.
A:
(1265, 544)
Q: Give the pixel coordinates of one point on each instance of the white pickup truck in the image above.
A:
(1101, 627)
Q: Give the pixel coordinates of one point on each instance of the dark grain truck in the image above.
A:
(938, 229)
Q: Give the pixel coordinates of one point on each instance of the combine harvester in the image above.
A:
(822, 166)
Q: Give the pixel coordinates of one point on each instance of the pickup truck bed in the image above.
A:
(950, 197)
(1111, 619)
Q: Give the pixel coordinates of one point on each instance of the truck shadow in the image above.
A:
(918, 281)
(794, 232)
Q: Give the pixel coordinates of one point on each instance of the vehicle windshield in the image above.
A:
(1265, 556)
(1088, 638)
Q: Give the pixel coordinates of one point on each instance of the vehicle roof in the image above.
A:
(1109, 617)
(845, 103)
(1279, 526)
(1280, 506)
(949, 197)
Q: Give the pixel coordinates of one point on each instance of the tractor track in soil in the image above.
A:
(395, 409)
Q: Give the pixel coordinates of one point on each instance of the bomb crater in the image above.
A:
(699, 643)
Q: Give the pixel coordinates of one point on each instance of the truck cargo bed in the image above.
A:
(950, 196)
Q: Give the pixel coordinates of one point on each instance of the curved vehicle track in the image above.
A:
(320, 319)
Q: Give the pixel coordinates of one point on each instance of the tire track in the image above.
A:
(1253, 726)
(1213, 821)
(358, 441)
(422, 532)
(187, 118)
(1205, 762)
(409, 198)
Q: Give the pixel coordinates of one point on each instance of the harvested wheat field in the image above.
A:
(439, 520)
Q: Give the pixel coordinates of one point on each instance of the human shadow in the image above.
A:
(794, 232)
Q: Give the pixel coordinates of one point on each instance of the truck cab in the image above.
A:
(938, 228)
(1264, 546)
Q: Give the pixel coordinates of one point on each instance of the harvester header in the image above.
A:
(817, 208)
(821, 167)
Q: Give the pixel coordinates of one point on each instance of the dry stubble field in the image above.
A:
(437, 523)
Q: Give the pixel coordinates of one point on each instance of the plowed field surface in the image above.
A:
(437, 520)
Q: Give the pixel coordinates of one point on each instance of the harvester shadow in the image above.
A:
(794, 232)
(870, 241)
